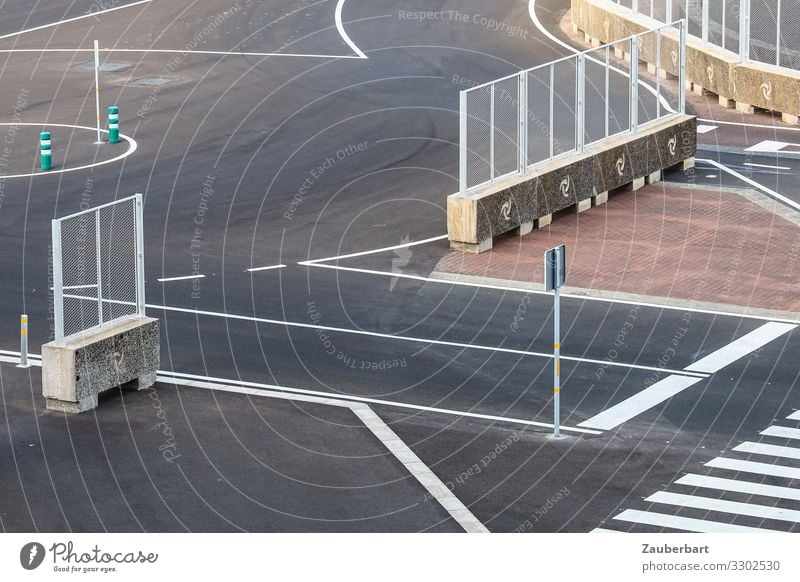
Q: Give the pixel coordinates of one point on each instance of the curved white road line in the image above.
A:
(91, 14)
(132, 148)
(343, 33)
(538, 24)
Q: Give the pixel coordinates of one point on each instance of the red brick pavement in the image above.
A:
(665, 241)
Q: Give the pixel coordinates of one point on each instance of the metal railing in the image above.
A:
(763, 31)
(511, 125)
(98, 267)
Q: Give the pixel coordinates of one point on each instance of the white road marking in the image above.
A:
(189, 378)
(766, 166)
(683, 523)
(737, 123)
(372, 252)
(399, 449)
(782, 432)
(706, 128)
(770, 450)
(743, 178)
(753, 467)
(271, 267)
(768, 146)
(131, 148)
(723, 506)
(421, 472)
(452, 282)
(183, 278)
(197, 312)
(794, 416)
(740, 347)
(604, 530)
(640, 402)
(343, 33)
(90, 15)
(694, 480)
(181, 52)
(253, 387)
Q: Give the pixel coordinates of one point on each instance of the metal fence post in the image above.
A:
(99, 259)
(580, 135)
(704, 8)
(522, 112)
(58, 282)
(23, 342)
(658, 73)
(607, 94)
(684, 24)
(462, 142)
(552, 92)
(668, 14)
(634, 84)
(491, 133)
(139, 217)
(778, 34)
(744, 30)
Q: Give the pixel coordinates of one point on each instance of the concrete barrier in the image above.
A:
(126, 354)
(521, 204)
(708, 68)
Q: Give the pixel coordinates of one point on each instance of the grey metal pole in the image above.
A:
(491, 134)
(462, 142)
(634, 125)
(23, 342)
(682, 67)
(139, 213)
(522, 112)
(58, 283)
(97, 87)
(99, 262)
(581, 98)
(557, 362)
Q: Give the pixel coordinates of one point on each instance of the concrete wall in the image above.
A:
(520, 204)
(127, 353)
(708, 68)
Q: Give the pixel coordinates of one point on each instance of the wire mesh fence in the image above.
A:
(511, 125)
(98, 267)
(764, 31)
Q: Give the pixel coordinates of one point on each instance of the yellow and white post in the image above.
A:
(23, 342)
(555, 269)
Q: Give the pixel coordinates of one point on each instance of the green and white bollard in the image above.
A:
(44, 147)
(113, 124)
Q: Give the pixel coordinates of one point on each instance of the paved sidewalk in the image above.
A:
(667, 240)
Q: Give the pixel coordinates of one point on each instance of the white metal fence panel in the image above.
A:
(512, 124)
(98, 267)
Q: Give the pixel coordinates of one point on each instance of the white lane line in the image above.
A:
(421, 472)
(683, 523)
(740, 124)
(90, 15)
(770, 450)
(706, 128)
(723, 506)
(753, 467)
(184, 278)
(745, 179)
(372, 252)
(131, 148)
(766, 166)
(269, 268)
(180, 52)
(604, 530)
(206, 381)
(694, 480)
(782, 432)
(197, 312)
(794, 416)
(399, 449)
(768, 146)
(454, 282)
(343, 33)
(740, 347)
(640, 402)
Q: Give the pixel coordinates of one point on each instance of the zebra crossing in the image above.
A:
(755, 487)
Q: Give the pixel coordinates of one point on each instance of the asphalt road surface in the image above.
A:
(270, 160)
